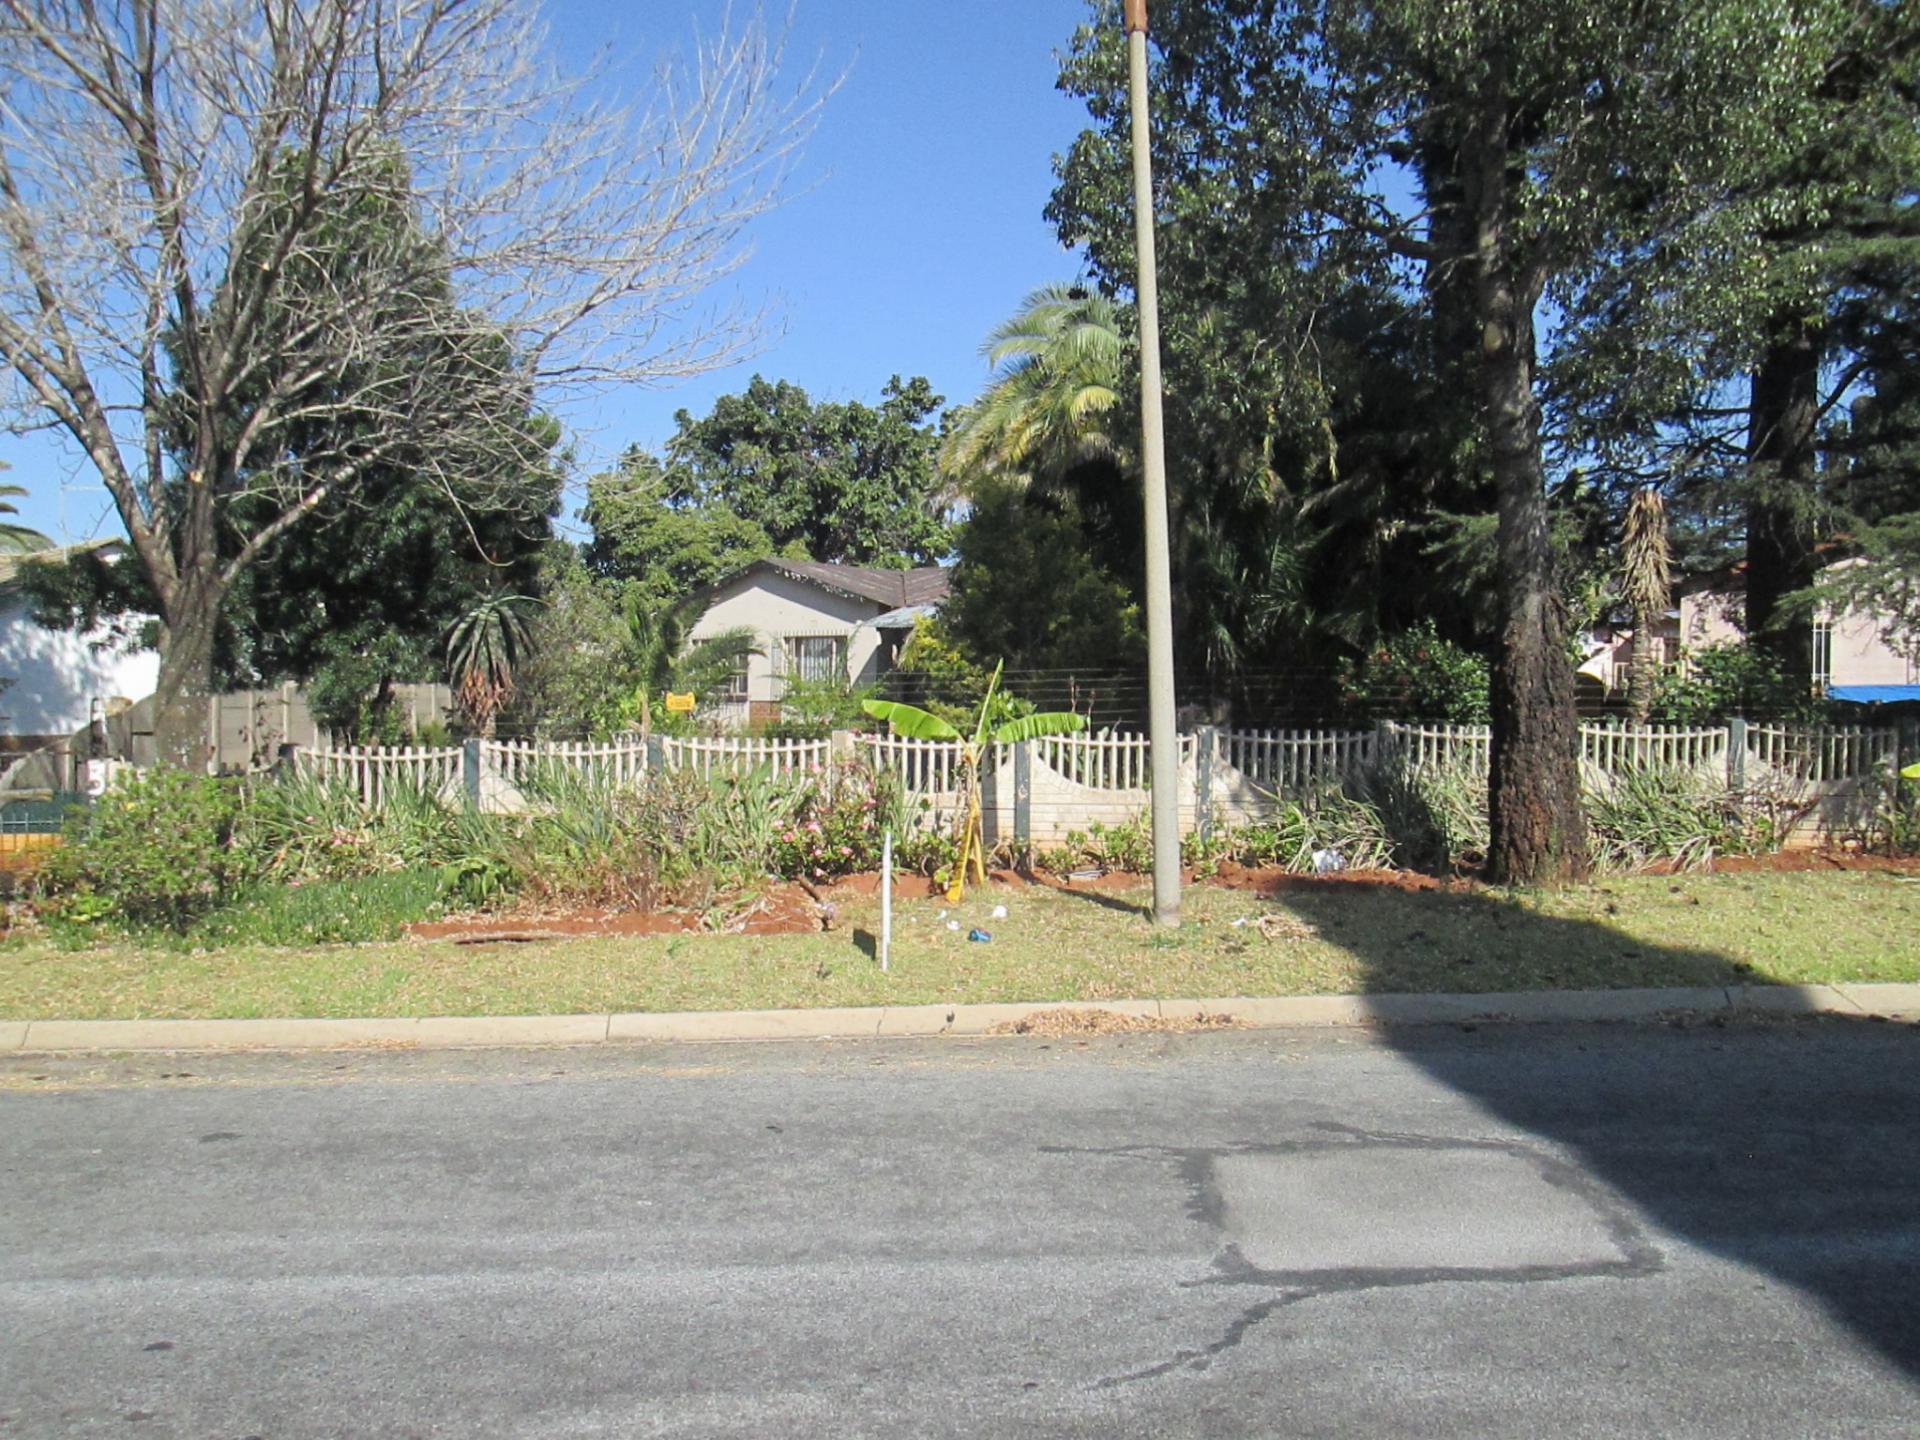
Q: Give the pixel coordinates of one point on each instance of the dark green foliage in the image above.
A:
(160, 850)
(1025, 588)
(771, 471)
(1418, 675)
(1720, 682)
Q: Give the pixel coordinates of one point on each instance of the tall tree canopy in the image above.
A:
(175, 180)
(768, 471)
(1464, 158)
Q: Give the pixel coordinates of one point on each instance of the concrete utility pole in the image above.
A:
(1161, 733)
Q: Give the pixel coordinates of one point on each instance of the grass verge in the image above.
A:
(1692, 930)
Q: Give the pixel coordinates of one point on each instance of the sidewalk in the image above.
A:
(1888, 1002)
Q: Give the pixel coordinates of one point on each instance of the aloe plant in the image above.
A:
(910, 722)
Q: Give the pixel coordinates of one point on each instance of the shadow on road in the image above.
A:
(1799, 1159)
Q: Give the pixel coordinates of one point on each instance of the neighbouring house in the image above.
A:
(815, 621)
(1853, 656)
(57, 674)
(1605, 676)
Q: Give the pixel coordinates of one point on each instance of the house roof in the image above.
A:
(891, 588)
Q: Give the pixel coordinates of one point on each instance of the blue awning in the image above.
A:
(1876, 694)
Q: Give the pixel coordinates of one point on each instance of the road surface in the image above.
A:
(1608, 1231)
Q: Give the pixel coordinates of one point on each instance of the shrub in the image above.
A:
(1732, 679)
(1658, 812)
(159, 850)
(1418, 675)
(1434, 818)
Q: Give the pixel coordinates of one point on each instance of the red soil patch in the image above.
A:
(1270, 880)
(783, 910)
(866, 883)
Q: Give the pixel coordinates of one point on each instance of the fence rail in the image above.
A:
(784, 757)
(518, 763)
(1294, 760)
(927, 768)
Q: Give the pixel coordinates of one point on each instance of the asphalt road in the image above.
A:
(1526, 1232)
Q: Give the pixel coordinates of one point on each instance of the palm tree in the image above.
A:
(18, 539)
(1646, 583)
(664, 661)
(1060, 367)
(485, 649)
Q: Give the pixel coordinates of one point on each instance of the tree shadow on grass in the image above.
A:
(1794, 1152)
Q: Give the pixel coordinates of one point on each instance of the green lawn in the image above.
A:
(1691, 930)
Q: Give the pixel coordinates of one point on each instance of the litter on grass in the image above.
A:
(979, 936)
(999, 912)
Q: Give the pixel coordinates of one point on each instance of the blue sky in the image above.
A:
(916, 227)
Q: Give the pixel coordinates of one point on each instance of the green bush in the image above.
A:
(1719, 681)
(1418, 675)
(159, 850)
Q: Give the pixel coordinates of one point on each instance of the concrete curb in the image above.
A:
(1898, 1002)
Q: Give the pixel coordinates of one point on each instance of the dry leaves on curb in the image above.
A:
(1105, 1022)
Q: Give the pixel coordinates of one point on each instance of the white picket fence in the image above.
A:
(1290, 761)
(1822, 756)
(1829, 765)
(783, 757)
(376, 772)
(518, 763)
(928, 769)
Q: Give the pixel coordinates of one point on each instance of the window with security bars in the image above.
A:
(816, 657)
(736, 686)
(1822, 655)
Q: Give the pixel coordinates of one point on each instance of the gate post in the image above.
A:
(1205, 739)
(1023, 798)
(1736, 753)
(470, 770)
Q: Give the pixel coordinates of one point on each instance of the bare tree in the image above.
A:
(226, 226)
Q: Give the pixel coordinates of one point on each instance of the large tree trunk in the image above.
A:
(1539, 824)
(181, 733)
(1784, 414)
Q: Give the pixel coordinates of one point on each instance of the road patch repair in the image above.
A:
(1351, 1212)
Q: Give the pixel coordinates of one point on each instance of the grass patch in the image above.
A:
(1693, 930)
(324, 912)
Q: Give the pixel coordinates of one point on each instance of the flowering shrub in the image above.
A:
(836, 829)
(1418, 675)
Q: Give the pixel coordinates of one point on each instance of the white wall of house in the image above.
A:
(779, 609)
(1860, 653)
(57, 673)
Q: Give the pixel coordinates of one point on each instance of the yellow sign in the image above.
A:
(680, 704)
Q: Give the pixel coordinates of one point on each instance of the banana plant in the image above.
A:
(910, 722)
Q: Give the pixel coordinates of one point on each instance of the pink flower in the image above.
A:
(813, 827)
(789, 837)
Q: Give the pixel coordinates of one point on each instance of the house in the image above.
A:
(815, 621)
(1853, 656)
(1605, 675)
(1852, 651)
(55, 675)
